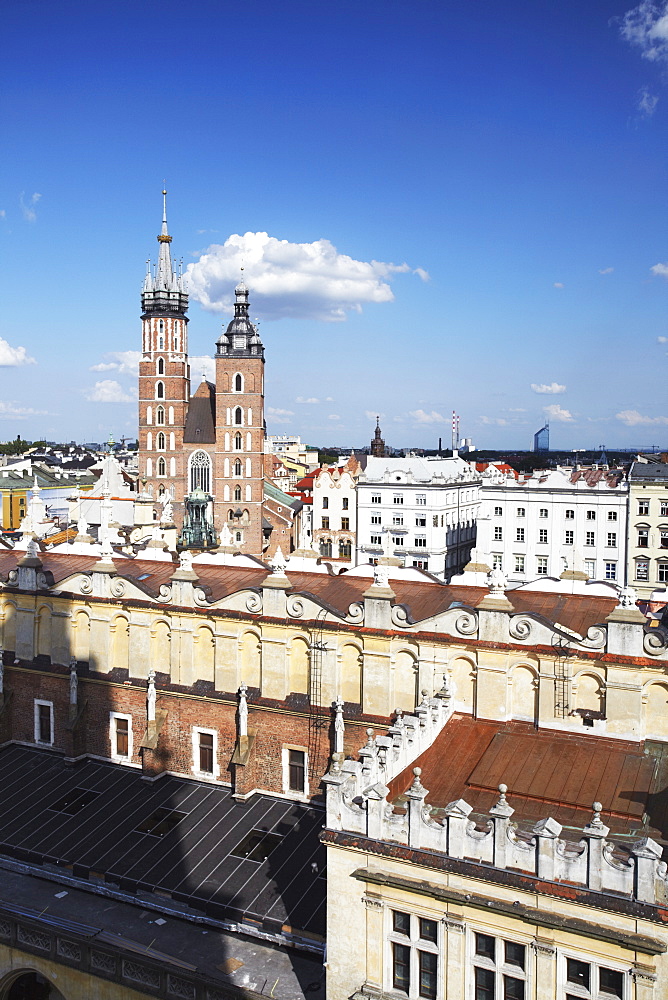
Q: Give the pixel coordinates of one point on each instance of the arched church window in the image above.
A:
(237, 467)
(237, 493)
(200, 471)
(161, 366)
(162, 469)
(161, 343)
(238, 416)
(237, 442)
(238, 383)
(160, 415)
(162, 326)
(159, 390)
(161, 442)
(238, 536)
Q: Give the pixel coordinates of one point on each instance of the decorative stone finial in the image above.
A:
(369, 738)
(336, 763)
(381, 577)
(417, 784)
(339, 725)
(278, 563)
(151, 697)
(243, 710)
(627, 598)
(502, 795)
(186, 561)
(497, 583)
(596, 818)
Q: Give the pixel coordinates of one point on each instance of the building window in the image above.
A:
(414, 944)
(612, 539)
(238, 416)
(161, 366)
(421, 499)
(44, 722)
(519, 535)
(420, 564)
(344, 503)
(570, 515)
(238, 383)
(662, 573)
(420, 541)
(612, 515)
(398, 498)
(376, 539)
(593, 981)
(590, 538)
(376, 519)
(325, 503)
(521, 511)
(497, 560)
(664, 508)
(397, 540)
(160, 415)
(499, 968)
(591, 515)
(345, 550)
(569, 537)
(160, 442)
(642, 570)
(161, 468)
(237, 442)
(120, 736)
(519, 564)
(376, 498)
(345, 524)
(200, 472)
(643, 538)
(542, 512)
(237, 494)
(590, 568)
(398, 520)
(498, 511)
(326, 547)
(541, 567)
(498, 533)
(611, 571)
(663, 538)
(325, 523)
(295, 771)
(159, 390)
(204, 752)
(420, 520)
(643, 506)
(542, 536)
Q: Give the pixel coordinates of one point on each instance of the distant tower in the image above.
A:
(377, 443)
(541, 439)
(164, 380)
(240, 430)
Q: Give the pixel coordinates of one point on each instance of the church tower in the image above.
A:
(164, 378)
(240, 429)
(377, 443)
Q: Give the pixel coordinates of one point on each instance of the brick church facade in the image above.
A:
(204, 452)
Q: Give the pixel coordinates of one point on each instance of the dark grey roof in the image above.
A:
(88, 816)
(649, 471)
(201, 420)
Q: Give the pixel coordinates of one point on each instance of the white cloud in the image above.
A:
(13, 357)
(9, 411)
(29, 207)
(646, 27)
(421, 273)
(647, 102)
(202, 364)
(555, 412)
(496, 421)
(107, 391)
(333, 416)
(3, 213)
(605, 270)
(278, 416)
(632, 418)
(516, 409)
(311, 399)
(661, 269)
(123, 362)
(299, 280)
(421, 417)
(558, 284)
(329, 399)
(371, 415)
(662, 340)
(553, 389)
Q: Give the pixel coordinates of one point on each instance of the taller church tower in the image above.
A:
(240, 429)
(164, 376)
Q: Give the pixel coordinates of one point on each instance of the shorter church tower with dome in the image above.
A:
(205, 452)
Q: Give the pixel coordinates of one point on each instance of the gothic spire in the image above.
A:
(165, 276)
(164, 288)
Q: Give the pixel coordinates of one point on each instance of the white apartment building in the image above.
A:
(554, 521)
(418, 512)
(334, 511)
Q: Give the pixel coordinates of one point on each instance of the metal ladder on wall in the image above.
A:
(317, 721)
(562, 679)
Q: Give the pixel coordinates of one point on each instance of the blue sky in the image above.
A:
(462, 201)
